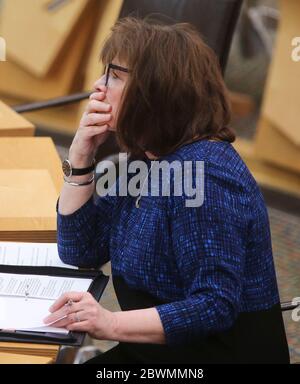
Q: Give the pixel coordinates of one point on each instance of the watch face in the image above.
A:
(66, 167)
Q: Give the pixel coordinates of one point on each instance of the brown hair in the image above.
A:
(175, 93)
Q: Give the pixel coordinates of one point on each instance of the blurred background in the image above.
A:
(52, 50)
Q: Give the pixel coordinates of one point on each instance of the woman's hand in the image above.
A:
(93, 129)
(79, 311)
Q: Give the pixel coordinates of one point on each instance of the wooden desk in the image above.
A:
(14, 358)
(78, 67)
(30, 171)
(31, 29)
(13, 124)
(63, 78)
(278, 134)
(31, 180)
(267, 174)
(274, 155)
(33, 353)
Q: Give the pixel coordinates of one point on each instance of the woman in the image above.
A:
(195, 284)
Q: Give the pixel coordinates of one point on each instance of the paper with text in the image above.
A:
(32, 254)
(25, 299)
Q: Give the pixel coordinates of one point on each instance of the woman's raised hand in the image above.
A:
(93, 129)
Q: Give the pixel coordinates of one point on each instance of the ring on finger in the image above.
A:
(69, 302)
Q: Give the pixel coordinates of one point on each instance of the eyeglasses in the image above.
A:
(113, 66)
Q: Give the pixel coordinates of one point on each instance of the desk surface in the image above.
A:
(26, 155)
(13, 124)
(281, 95)
(35, 161)
(13, 358)
(31, 153)
(28, 353)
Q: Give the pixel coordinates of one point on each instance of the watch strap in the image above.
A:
(83, 171)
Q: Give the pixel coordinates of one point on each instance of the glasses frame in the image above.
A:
(113, 66)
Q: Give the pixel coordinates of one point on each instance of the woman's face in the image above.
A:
(114, 89)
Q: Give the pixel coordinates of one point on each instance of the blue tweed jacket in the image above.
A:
(208, 264)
